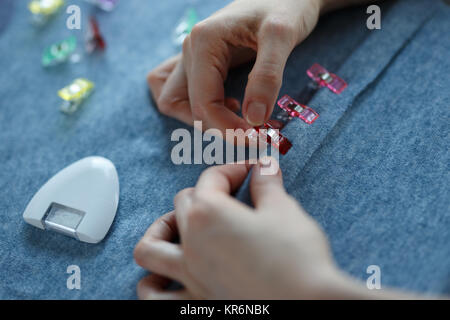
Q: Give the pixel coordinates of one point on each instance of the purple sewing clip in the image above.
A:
(107, 5)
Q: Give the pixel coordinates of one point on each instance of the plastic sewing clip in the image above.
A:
(324, 78)
(270, 133)
(59, 52)
(297, 110)
(42, 10)
(106, 5)
(74, 94)
(94, 39)
(185, 26)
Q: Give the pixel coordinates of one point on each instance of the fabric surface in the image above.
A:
(372, 170)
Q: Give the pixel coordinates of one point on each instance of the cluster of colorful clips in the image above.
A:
(74, 94)
(65, 50)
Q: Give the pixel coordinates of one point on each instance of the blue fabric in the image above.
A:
(372, 170)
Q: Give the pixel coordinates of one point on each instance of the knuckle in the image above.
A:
(186, 44)
(276, 27)
(267, 74)
(183, 193)
(164, 104)
(200, 31)
(198, 215)
(197, 113)
(140, 287)
(209, 171)
(152, 76)
(139, 252)
(205, 198)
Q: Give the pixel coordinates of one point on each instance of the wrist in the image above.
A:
(338, 285)
(331, 284)
(324, 282)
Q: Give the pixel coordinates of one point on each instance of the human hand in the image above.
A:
(229, 250)
(190, 86)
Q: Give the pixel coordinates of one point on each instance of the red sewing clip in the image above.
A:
(298, 110)
(326, 79)
(94, 38)
(271, 134)
(276, 138)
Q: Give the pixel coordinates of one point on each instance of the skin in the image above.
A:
(190, 86)
(227, 250)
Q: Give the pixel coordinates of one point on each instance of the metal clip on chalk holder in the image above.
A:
(80, 201)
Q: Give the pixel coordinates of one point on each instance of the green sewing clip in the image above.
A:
(59, 52)
(185, 26)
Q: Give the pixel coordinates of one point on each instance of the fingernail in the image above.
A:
(256, 112)
(268, 166)
(265, 161)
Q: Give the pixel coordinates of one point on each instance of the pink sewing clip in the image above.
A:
(298, 110)
(326, 79)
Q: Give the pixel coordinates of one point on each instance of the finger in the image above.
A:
(160, 257)
(155, 253)
(206, 68)
(266, 186)
(157, 77)
(275, 43)
(213, 111)
(224, 179)
(163, 228)
(199, 210)
(232, 104)
(153, 287)
(174, 99)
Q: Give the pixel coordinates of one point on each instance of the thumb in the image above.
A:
(275, 43)
(266, 186)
